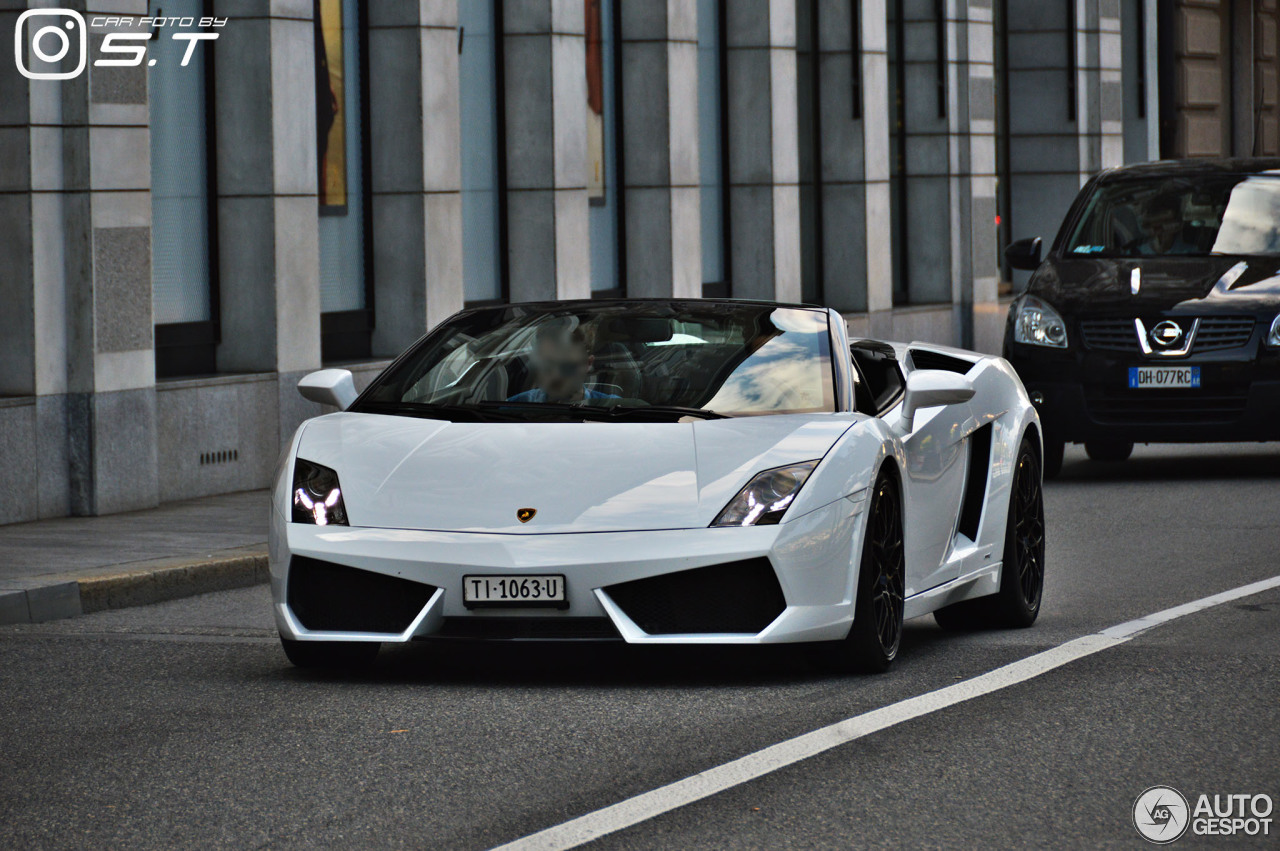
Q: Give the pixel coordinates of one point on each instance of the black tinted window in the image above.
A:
(1169, 216)
(879, 378)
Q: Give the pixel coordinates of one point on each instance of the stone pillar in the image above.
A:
(660, 127)
(1099, 96)
(764, 165)
(974, 264)
(98, 123)
(544, 50)
(417, 169)
(878, 212)
(842, 172)
(33, 329)
(267, 212)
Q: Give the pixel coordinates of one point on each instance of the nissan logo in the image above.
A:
(1166, 334)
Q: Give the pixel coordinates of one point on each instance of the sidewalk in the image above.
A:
(73, 565)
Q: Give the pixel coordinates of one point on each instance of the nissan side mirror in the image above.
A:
(1024, 254)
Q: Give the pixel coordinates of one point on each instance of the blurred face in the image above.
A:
(1164, 225)
(561, 368)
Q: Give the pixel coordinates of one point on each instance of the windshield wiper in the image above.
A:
(665, 410)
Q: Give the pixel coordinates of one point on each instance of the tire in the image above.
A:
(1109, 451)
(1017, 604)
(330, 655)
(876, 634)
(1053, 452)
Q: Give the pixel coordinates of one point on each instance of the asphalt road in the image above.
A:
(182, 725)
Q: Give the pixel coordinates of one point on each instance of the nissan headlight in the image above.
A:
(766, 497)
(1038, 324)
(317, 497)
(1273, 336)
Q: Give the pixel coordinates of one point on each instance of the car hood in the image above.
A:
(409, 473)
(1099, 286)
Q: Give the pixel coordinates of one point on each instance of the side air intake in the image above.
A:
(924, 359)
(975, 489)
(739, 597)
(331, 597)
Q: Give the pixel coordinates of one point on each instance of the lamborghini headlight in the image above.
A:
(1038, 324)
(1273, 336)
(766, 497)
(317, 498)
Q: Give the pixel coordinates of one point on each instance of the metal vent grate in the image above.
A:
(219, 456)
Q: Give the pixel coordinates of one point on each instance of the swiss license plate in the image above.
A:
(514, 590)
(1149, 377)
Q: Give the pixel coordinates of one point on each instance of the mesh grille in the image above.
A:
(1223, 332)
(1110, 335)
(739, 597)
(332, 597)
(1120, 335)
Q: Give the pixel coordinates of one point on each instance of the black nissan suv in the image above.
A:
(1155, 316)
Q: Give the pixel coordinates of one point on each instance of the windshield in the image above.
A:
(649, 359)
(1207, 214)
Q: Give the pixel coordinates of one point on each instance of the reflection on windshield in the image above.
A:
(620, 357)
(1208, 214)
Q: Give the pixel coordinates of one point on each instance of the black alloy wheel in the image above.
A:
(876, 634)
(888, 566)
(1027, 517)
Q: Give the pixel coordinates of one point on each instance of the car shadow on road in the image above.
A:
(585, 664)
(1189, 463)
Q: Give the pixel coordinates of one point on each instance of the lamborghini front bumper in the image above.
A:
(811, 557)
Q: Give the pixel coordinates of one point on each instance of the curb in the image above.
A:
(135, 584)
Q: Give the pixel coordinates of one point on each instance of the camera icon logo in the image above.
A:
(59, 31)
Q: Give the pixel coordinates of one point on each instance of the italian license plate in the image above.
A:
(1149, 377)
(521, 590)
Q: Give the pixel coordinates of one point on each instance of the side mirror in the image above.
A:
(1024, 254)
(333, 387)
(929, 388)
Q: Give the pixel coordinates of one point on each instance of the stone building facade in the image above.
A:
(183, 238)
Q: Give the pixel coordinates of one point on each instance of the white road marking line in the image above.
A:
(645, 806)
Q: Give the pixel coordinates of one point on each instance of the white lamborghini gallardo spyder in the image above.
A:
(658, 472)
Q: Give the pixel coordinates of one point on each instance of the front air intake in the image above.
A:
(737, 597)
(329, 597)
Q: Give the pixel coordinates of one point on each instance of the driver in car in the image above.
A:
(1164, 228)
(561, 364)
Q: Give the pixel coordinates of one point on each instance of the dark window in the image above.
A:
(604, 150)
(342, 98)
(184, 250)
(712, 141)
(483, 135)
(879, 378)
